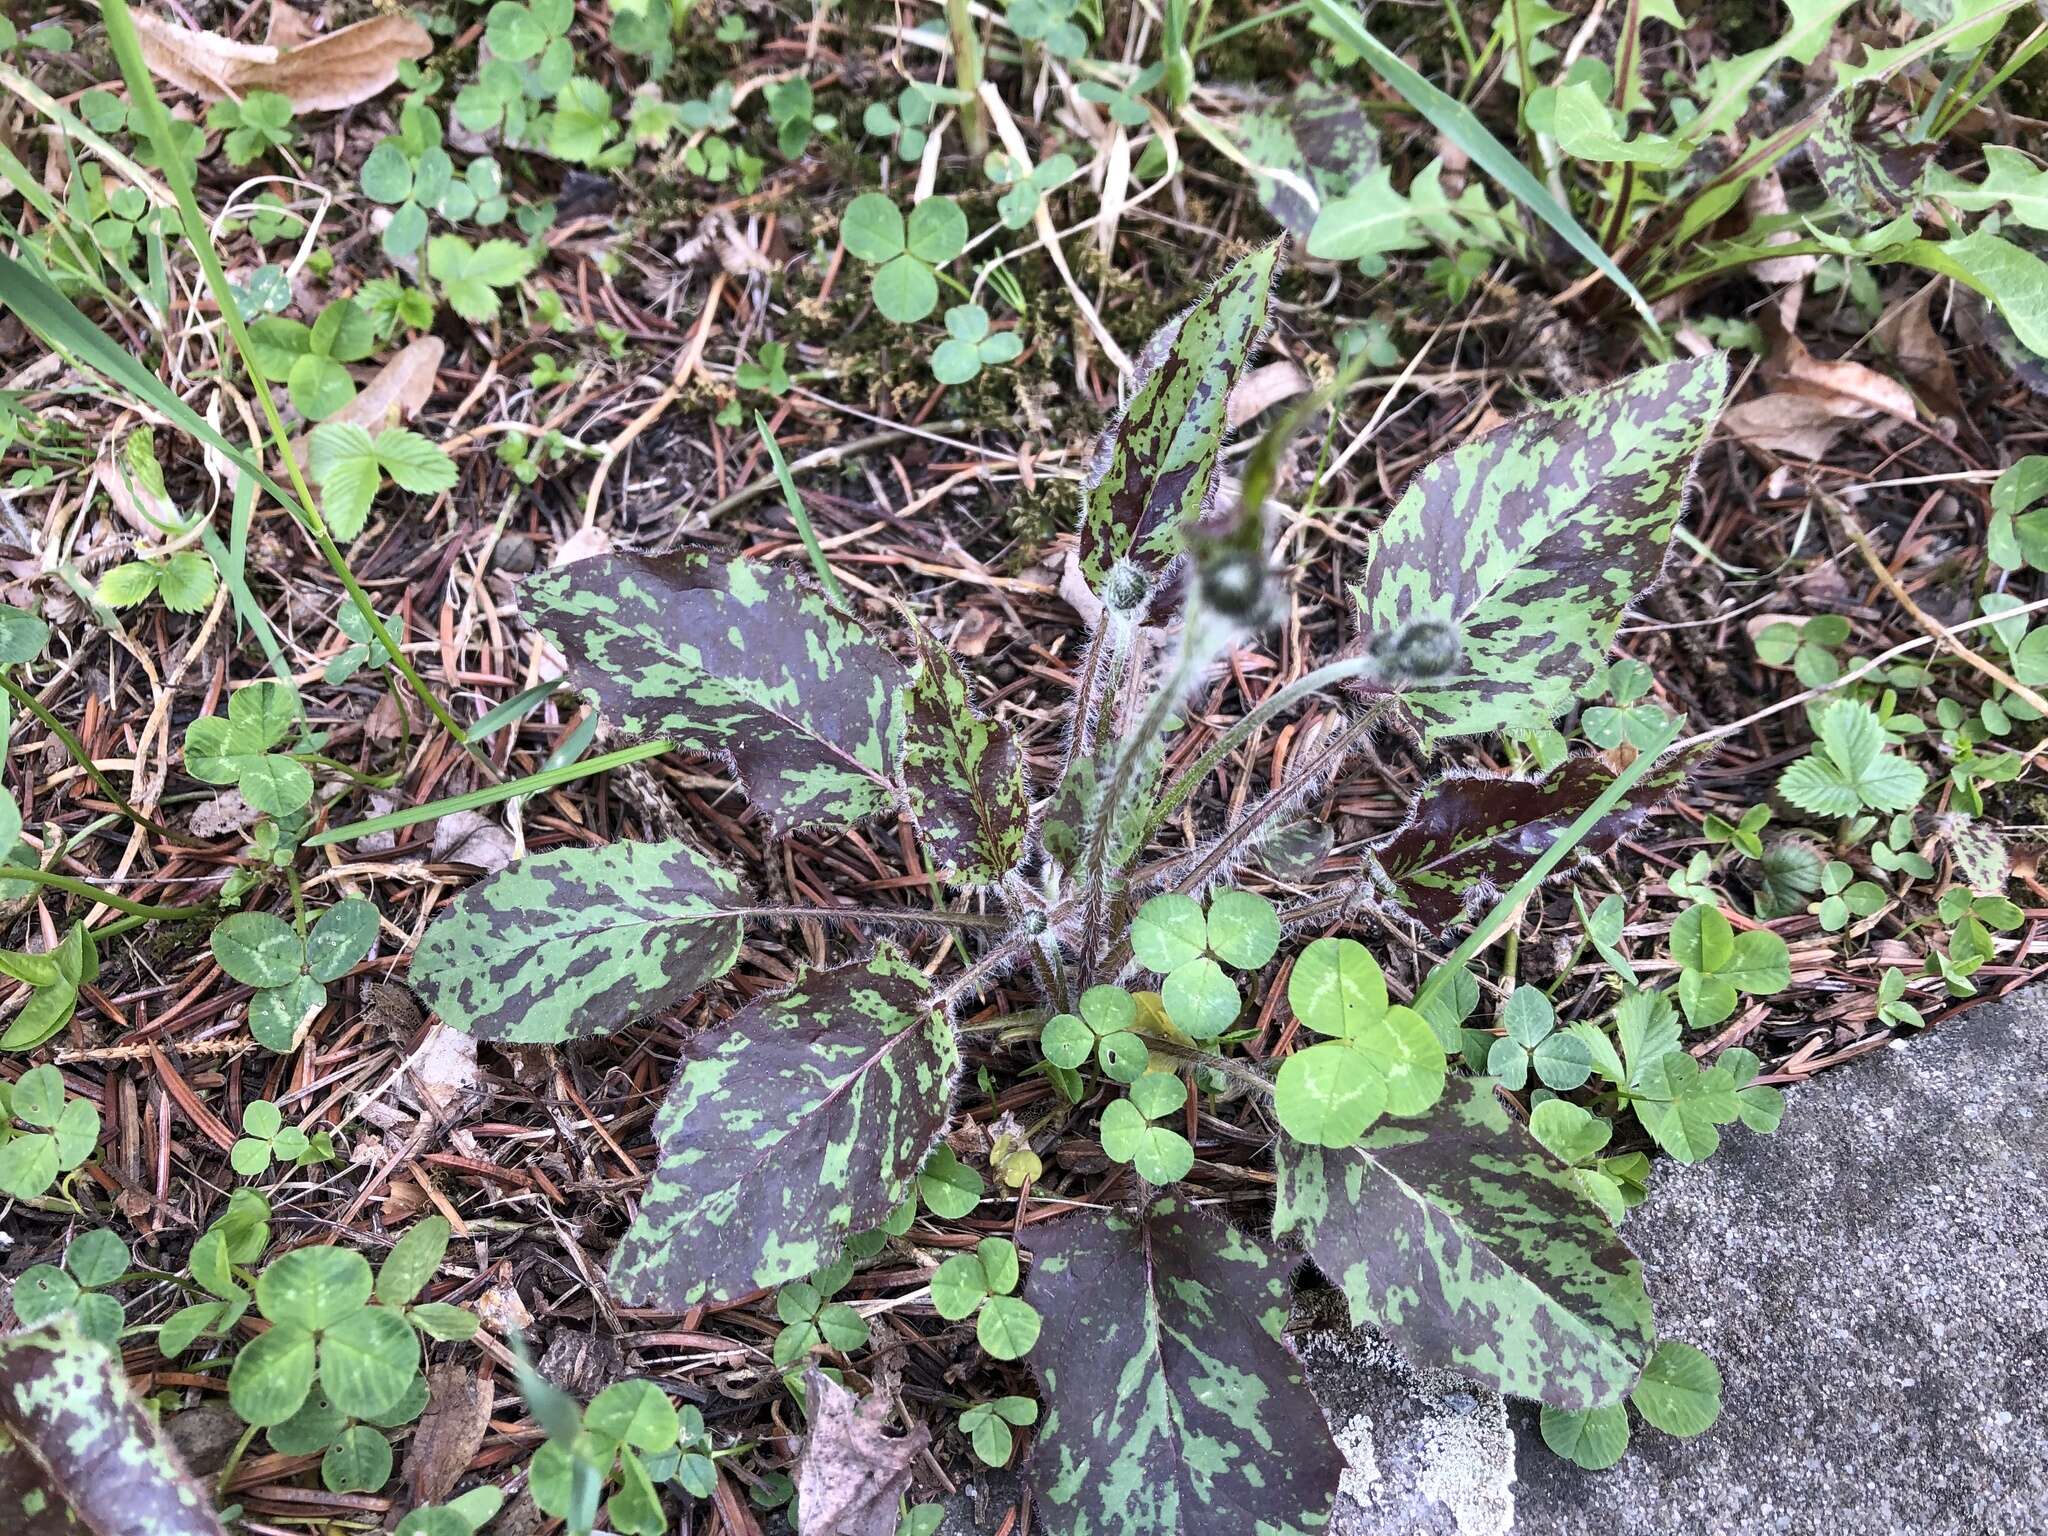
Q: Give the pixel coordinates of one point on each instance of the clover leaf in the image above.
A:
(1716, 963)
(290, 974)
(903, 253)
(969, 346)
(987, 1427)
(42, 1133)
(1533, 1042)
(1379, 1058)
(471, 275)
(1160, 1154)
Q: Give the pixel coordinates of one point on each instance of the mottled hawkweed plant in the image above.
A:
(815, 1116)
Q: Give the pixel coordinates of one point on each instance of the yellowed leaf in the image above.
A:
(321, 74)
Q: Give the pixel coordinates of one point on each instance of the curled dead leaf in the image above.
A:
(321, 74)
(450, 1431)
(852, 1474)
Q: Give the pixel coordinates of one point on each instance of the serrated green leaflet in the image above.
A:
(1156, 464)
(964, 775)
(1172, 1407)
(1498, 580)
(804, 1121)
(78, 1452)
(1473, 1248)
(737, 660)
(1471, 836)
(577, 942)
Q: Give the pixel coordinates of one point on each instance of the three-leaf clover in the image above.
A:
(1105, 1029)
(1844, 897)
(322, 1326)
(1746, 835)
(904, 254)
(981, 1285)
(349, 466)
(1716, 963)
(1050, 24)
(1641, 725)
(1892, 1007)
(265, 1137)
(42, 1133)
(471, 275)
(186, 582)
(947, 1186)
(308, 359)
(260, 121)
(909, 121)
(1025, 185)
(238, 750)
(1159, 1153)
(793, 109)
(987, 1427)
(767, 370)
(1533, 1042)
(1849, 769)
(1807, 647)
(93, 1261)
(970, 346)
(1173, 935)
(812, 1320)
(1378, 1058)
(290, 974)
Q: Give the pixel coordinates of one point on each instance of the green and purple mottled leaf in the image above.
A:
(1156, 464)
(79, 1456)
(576, 942)
(1861, 153)
(1172, 1406)
(1498, 580)
(1471, 1246)
(964, 774)
(1472, 836)
(802, 1122)
(737, 660)
(1307, 149)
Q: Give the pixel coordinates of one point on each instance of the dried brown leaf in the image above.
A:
(322, 74)
(450, 1431)
(852, 1475)
(1907, 333)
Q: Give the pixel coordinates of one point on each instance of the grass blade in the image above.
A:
(1458, 123)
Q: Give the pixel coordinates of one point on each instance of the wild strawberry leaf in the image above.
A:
(1498, 580)
(1472, 836)
(1155, 465)
(804, 1121)
(1468, 1243)
(576, 942)
(737, 660)
(78, 1453)
(963, 772)
(1173, 1408)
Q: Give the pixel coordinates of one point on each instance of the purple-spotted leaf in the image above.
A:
(579, 941)
(741, 661)
(79, 1456)
(1172, 1405)
(964, 774)
(1498, 580)
(1471, 1246)
(1470, 836)
(1155, 466)
(805, 1120)
(1306, 150)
